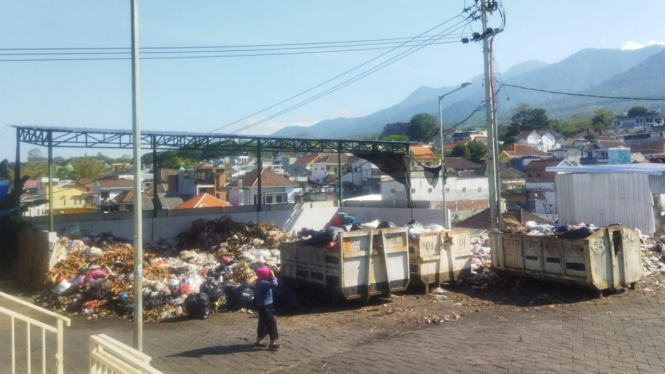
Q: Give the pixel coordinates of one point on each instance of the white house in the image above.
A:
(275, 189)
(329, 164)
(364, 175)
(107, 189)
(542, 140)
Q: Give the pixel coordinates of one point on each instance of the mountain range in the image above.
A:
(609, 72)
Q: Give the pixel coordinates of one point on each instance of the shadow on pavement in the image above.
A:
(220, 350)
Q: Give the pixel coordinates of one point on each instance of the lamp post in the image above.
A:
(446, 224)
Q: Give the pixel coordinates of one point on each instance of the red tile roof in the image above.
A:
(421, 152)
(31, 183)
(522, 150)
(115, 183)
(268, 179)
(203, 201)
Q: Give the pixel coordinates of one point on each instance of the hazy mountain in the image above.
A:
(581, 71)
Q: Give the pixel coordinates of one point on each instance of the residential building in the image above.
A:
(460, 165)
(598, 134)
(601, 151)
(203, 201)
(648, 144)
(423, 156)
(520, 151)
(646, 123)
(541, 197)
(397, 128)
(459, 137)
(509, 179)
(542, 140)
(328, 164)
(69, 197)
(165, 173)
(205, 179)
(107, 189)
(301, 166)
(364, 175)
(275, 189)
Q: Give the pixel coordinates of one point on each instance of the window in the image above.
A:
(413, 190)
(279, 198)
(64, 201)
(480, 189)
(105, 195)
(447, 189)
(392, 190)
(268, 199)
(463, 189)
(529, 175)
(538, 175)
(429, 190)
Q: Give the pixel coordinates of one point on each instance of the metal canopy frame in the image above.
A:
(94, 138)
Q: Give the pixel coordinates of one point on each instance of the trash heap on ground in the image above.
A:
(510, 225)
(653, 255)
(95, 272)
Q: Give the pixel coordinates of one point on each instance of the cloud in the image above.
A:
(632, 45)
(270, 126)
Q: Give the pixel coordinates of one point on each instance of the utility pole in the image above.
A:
(492, 143)
(138, 206)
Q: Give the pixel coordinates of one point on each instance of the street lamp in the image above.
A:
(446, 224)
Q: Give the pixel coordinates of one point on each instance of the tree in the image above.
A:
(602, 119)
(87, 167)
(396, 138)
(35, 154)
(640, 111)
(422, 127)
(528, 118)
(591, 137)
(59, 161)
(461, 150)
(477, 151)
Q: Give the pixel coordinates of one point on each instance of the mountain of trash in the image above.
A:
(94, 274)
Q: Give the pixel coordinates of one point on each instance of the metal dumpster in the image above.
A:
(439, 257)
(608, 259)
(364, 263)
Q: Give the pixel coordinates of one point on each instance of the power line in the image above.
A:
(215, 46)
(349, 81)
(582, 95)
(329, 80)
(208, 56)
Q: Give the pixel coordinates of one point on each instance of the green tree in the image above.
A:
(35, 154)
(528, 118)
(602, 119)
(396, 138)
(59, 161)
(461, 150)
(422, 127)
(640, 111)
(591, 137)
(88, 167)
(477, 151)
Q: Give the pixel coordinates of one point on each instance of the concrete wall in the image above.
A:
(170, 223)
(401, 216)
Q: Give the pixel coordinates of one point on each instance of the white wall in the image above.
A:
(458, 189)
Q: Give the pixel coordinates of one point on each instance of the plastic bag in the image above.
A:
(95, 274)
(62, 287)
(213, 289)
(97, 291)
(242, 298)
(197, 306)
(386, 225)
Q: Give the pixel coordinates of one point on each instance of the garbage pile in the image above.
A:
(94, 275)
(653, 255)
(481, 251)
(578, 231)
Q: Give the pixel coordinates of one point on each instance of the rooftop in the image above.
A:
(461, 163)
(115, 183)
(422, 152)
(203, 201)
(522, 150)
(268, 179)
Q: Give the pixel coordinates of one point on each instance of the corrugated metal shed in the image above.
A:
(606, 198)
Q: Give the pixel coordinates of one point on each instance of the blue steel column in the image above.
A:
(50, 181)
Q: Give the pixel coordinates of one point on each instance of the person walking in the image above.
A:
(266, 282)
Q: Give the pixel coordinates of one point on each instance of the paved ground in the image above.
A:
(507, 328)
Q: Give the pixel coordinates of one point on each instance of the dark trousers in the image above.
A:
(267, 322)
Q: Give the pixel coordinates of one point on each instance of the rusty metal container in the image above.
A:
(439, 257)
(608, 259)
(364, 263)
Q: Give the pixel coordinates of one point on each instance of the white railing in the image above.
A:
(109, 356)
(58, 330)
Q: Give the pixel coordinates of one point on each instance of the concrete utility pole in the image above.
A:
(138, 206)
(492, 143)
(446, 224)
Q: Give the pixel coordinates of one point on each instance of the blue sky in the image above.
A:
(201, 95)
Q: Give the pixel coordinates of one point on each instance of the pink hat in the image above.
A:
(262, 273)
